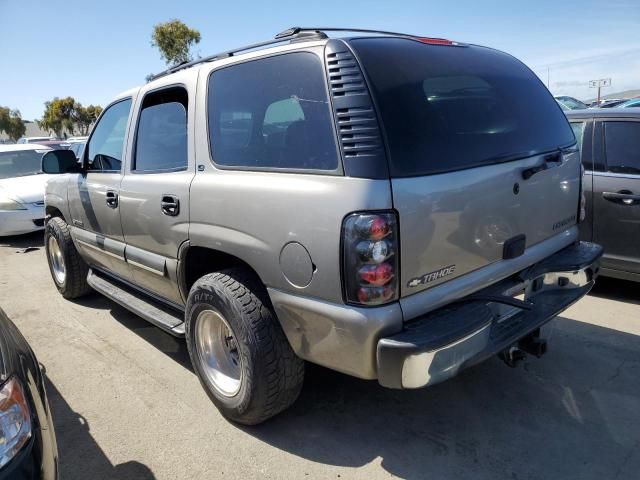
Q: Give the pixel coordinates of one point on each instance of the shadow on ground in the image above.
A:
(35, 239)
(80, 457)
(616, 289)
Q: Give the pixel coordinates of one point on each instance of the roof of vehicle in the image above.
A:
(604, 112)
(23, 146)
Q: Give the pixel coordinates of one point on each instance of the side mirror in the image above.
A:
(60, 161)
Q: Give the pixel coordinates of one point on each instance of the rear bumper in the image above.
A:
(436, 346)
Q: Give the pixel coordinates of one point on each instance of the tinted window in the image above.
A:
(622, 146)
(104, 150)
(449, 108)
(272, 113)
(161, 141)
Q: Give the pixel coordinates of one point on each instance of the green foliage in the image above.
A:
(58, 116)
(84, 117)
(11, 123)
(174, 40)
(66, 116)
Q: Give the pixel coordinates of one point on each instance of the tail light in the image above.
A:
(370, 258)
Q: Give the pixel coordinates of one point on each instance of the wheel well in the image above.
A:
(199, 261)
(53, 212)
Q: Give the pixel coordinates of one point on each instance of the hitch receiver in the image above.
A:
(533, 344)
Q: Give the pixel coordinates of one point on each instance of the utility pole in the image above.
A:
(603, 82)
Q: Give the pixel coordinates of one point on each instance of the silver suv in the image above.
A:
(389, 206)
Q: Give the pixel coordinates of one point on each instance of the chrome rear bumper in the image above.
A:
(436, 346)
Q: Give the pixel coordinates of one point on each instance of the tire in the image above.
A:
(71, 281)
(266, 376)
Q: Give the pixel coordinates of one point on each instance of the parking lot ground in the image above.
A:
(127, 405)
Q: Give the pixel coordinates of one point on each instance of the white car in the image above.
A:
(24, 140)
(22, 186)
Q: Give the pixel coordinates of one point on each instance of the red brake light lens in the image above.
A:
(376, 275)
(435, 41)
(370, 258)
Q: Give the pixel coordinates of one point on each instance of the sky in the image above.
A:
(92, 50)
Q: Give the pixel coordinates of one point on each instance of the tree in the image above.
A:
(84, 117)
(58, 116)
(11, 123)
(174, 40)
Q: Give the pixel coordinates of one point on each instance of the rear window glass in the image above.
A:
(272, 113)
(450, 108)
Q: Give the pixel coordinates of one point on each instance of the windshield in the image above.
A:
(572, 103)
(20, 163)
(450, 108)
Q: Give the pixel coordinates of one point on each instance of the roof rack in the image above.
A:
(297, 30)
(290, 35)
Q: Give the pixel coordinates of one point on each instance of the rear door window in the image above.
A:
(272, 113)
(161, 140)
(622, 147)
(450, 108)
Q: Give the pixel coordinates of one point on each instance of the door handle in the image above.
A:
(549, 161)
(624, 197)
(112, 199)
(170, 205)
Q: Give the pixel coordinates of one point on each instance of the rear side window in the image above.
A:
(622, 146)
(450, 108)
(272, 113)
(161, 140)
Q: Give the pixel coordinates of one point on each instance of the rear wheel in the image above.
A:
(238, 349)
(68, 269)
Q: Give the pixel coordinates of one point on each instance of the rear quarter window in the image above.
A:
(449, 108)
(272, 113)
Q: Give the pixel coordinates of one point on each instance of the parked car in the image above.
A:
(76, 146)
(34, 139)
(570, 102)
(611, 102)
(22, 186)
(634, 102)
(28, 449)
(250, 202)
(55, 144)
(77, 139)
(610, 143)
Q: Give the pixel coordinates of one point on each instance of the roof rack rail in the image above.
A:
(297, 36)
(296, 30)
(289, 35)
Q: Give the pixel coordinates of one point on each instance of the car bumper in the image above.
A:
(436, 346)
(18, 222)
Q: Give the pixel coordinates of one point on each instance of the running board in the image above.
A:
(161, 316)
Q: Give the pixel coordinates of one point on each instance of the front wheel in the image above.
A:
(238, 349)
(68, 269)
